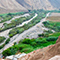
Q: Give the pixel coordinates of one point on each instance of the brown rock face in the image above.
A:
(45, 53)
(57, 57)
(58, 40)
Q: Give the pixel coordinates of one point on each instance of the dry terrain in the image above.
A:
(55, 14)
(7, 6)
(54, 17)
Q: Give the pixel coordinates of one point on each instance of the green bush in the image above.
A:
(46, 34)
(41, 35)
(51, 38)
(52, 25)
(7, 41)
(41, 41)
(20, 30)
(2, 46)
(11, 35)
(46, 22)
(33, 43)
(23, 46)
(27, 50)
(7, 52)
(2, 39)
(26, 41)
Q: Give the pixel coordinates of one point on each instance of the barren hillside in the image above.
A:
(35, 4)
(10, 6)
(55, 3)
(23, 5)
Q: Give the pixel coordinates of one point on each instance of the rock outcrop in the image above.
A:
(57, 57)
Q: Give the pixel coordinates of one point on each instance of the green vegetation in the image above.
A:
(7, 41)
(18, 30)
(2, 39)
(2, 46)
(8, 16)
(41, 14)
(55, 34)
(52, 25)
(16, 22)
(29, 45)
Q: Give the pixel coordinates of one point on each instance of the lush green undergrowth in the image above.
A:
(7, 41)
(2, 39)
(29, 45)
(52, 25)
(55, 34)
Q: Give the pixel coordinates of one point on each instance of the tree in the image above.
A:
(9, 14)
(26, 41)
(6, 52)
(7, 41)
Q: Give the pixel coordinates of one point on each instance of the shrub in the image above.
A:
(46, 34)
(7, 41)
(15, 43)
(11, 35)
(2, 39)
(7, 52)
(26, 41)
(33, 43)
(20, 30)
(23, 46)
(41, 35)
(51, 38)
(46, 22)
(2, 46)
(27, 50)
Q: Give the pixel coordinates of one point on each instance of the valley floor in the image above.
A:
(32, 33)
